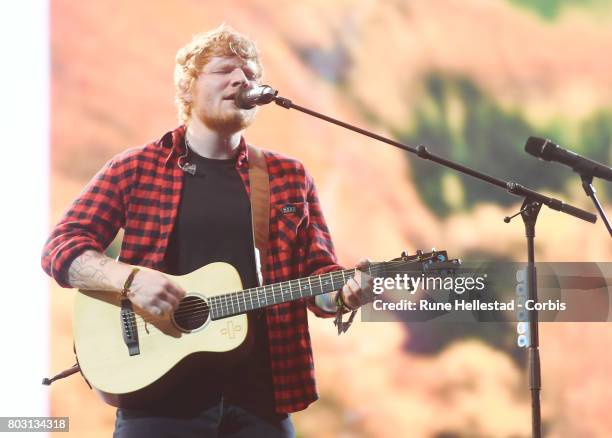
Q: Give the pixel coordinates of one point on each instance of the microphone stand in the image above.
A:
(532, 204)
(587, 185)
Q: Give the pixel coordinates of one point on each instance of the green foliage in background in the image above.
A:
(457, 120)
(550, 9)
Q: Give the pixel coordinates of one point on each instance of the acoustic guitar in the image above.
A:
(130, 357)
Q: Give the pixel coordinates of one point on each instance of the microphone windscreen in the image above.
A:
(535, 146)
(241, 99)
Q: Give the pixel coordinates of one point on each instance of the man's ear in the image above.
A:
(186, 97)
(186, 94)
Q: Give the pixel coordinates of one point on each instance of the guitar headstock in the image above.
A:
(433, 261)
(439, 256)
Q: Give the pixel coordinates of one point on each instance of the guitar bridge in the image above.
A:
(129, 328)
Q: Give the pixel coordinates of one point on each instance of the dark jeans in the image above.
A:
(220, 420)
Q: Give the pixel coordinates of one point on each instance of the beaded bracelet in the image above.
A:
(340, 304)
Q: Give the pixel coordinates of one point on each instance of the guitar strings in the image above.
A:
(218, 305)
(222, 303)
(225, 301)
(372, 269)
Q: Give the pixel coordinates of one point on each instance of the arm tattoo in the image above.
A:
(86, 272)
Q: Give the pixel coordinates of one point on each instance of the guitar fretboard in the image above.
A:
(235, 303)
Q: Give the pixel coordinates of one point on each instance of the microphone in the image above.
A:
(247, 98)
(547, 150)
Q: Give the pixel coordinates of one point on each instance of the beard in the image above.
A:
(227, 122)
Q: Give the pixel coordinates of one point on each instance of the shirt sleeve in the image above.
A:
(320, 254)
(91, 222)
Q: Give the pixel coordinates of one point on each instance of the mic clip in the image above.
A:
(189, 168)
(186, 166)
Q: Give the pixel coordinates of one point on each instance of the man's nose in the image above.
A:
(238, 78)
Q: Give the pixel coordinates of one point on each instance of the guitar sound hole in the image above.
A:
(192, 313)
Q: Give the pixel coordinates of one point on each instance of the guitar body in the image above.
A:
(166, 346)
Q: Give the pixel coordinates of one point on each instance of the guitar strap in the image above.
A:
(260, 215)
(260, 206)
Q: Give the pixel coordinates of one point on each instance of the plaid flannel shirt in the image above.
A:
(139, 190)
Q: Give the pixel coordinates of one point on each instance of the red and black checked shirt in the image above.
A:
(140, 189)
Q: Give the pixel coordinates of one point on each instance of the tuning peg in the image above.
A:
(419, 252)
(404, 254)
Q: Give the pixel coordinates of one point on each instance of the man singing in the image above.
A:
(183, 202)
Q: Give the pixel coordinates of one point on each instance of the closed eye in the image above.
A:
(250, 74)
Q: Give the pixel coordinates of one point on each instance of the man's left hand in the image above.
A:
(358, 290)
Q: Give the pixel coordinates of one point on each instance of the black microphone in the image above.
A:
(247, 98)
(547, 150)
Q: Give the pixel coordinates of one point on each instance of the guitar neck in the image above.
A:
(234, 303)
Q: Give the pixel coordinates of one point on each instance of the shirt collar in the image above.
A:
(174, 142)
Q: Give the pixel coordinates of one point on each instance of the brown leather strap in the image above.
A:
(128, 283)
(260, 204)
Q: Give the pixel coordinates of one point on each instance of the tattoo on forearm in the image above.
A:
(86, 272)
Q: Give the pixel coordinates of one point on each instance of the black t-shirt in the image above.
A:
(214, 225)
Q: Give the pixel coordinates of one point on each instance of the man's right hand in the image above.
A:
(150, 290)
(155, 293)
